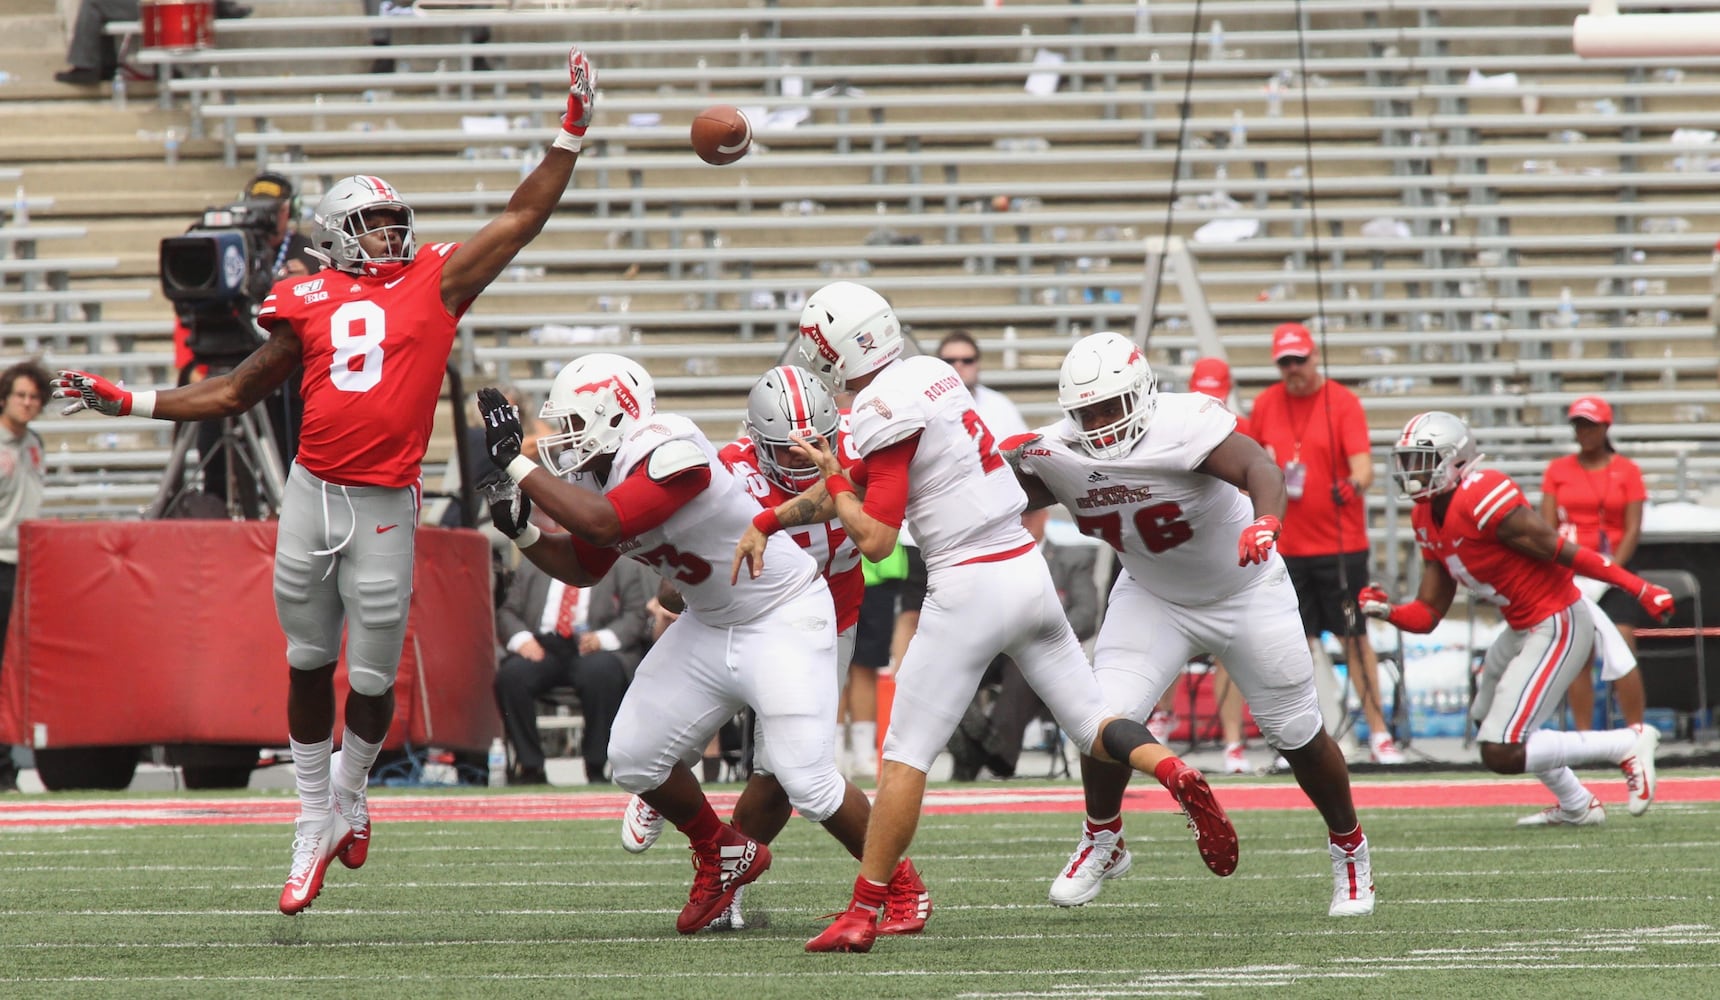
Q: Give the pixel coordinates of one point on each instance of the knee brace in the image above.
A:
(1123, 737)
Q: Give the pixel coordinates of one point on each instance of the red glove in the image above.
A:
(1257, 540)
(581, 93)
(90, 392)
(1657, 601)
(1374, 602)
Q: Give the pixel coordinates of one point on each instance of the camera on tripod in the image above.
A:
(218, 272)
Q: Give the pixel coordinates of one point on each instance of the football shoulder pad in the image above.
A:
(672, 457)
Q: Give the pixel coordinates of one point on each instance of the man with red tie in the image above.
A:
(557, 635)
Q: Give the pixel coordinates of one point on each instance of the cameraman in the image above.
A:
(288, 254)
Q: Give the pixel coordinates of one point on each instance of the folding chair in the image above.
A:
(1672, 657)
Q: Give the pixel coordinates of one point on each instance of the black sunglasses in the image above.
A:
(971, 359)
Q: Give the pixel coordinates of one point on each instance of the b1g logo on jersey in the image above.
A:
(311, 291)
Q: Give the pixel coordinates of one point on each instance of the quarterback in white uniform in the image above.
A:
(928, 455)
(1159, 477)
(627, 480)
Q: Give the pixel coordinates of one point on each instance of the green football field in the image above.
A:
(1469, 906)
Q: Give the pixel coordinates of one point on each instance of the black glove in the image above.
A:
(503, 435)
(510, 508)
(1345, 491)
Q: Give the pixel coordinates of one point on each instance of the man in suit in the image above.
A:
(554, 635)
(994, 741)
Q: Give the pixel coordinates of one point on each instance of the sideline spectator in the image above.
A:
(1595, 499)
(1317, 433)
(23, 390)
(1475, 523)
(92, 55)
(557, 635)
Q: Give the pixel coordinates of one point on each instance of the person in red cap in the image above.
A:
(1317, 433)
(1595, 498)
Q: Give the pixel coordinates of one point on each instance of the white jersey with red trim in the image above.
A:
(695, 547)
(963, 499)
(828, 544)
(375, 351)
(1175, 529)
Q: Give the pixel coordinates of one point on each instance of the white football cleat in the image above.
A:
(1384, 749)
(730, 919)
(315, 844)
(1638, 769)
(1352, 881)
(1235, 759)
(1099, 856)
(1593, 814)
(641, 825)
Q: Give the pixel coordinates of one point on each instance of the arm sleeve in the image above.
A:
(886, 477)
(643, 503)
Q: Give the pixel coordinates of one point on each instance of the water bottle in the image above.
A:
(1274, 97)
(172, 144)
(119, 90)
(1215, 41)
(498, 763)
(1238, 131)
(318, 122)
(1669, 374)
(20, 208)
(1567, 309)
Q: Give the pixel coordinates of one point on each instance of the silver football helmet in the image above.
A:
(340, 219)
(846, 331)
(1100, 368)
(1432, 455)
(784, 401)
(594, 403)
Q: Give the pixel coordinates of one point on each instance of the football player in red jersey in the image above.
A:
(1475, 527)
(372, 331)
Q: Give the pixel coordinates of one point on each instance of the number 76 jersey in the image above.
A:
(375, 349)
(1174, 529)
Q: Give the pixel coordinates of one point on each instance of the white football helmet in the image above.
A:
(846, 331)
(1103, 367)
(594, 402)
(339, 220)
(1432, 455)
(783, 401)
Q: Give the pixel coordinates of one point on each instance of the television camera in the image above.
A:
(218, 273)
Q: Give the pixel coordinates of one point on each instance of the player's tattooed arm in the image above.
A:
(234, 392)
(815, 506)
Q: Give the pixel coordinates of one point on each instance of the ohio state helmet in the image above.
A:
(784, 401)
(339, 220)
(846, 331)
(594, 402)
(1102, 367)
(1432, 455)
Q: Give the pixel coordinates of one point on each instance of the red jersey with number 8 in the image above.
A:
(375, 353)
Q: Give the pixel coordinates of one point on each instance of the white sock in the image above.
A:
(310, 773)
(1562, 782)
(356, 756)
(1548, 749)
(863, 737)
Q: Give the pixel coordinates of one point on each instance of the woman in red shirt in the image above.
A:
(1595, 498)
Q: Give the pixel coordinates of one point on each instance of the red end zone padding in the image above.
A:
(140, 632)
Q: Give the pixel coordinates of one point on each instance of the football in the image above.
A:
(721, 135)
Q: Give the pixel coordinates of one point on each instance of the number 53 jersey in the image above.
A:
(1175, 529)
(375, 349)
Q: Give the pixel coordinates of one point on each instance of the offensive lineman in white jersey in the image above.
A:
(1157, 476)
(648, 485)
(928, 455)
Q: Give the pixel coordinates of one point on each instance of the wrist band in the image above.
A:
(838, 484)
(528, 537)
(520, 468)
(568, 141)
(767, 521)
(143, 403)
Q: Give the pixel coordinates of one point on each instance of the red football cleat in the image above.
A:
(854, 930)
(737, 861)
(355, 809)
(907, 904)
(1213, 834)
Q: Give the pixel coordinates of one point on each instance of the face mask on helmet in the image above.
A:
(362, 227)
(594, 403)
(846, 331)
(1432, 455)
(1108, 391)
(785, 401)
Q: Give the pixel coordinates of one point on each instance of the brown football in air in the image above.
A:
(721, 134)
